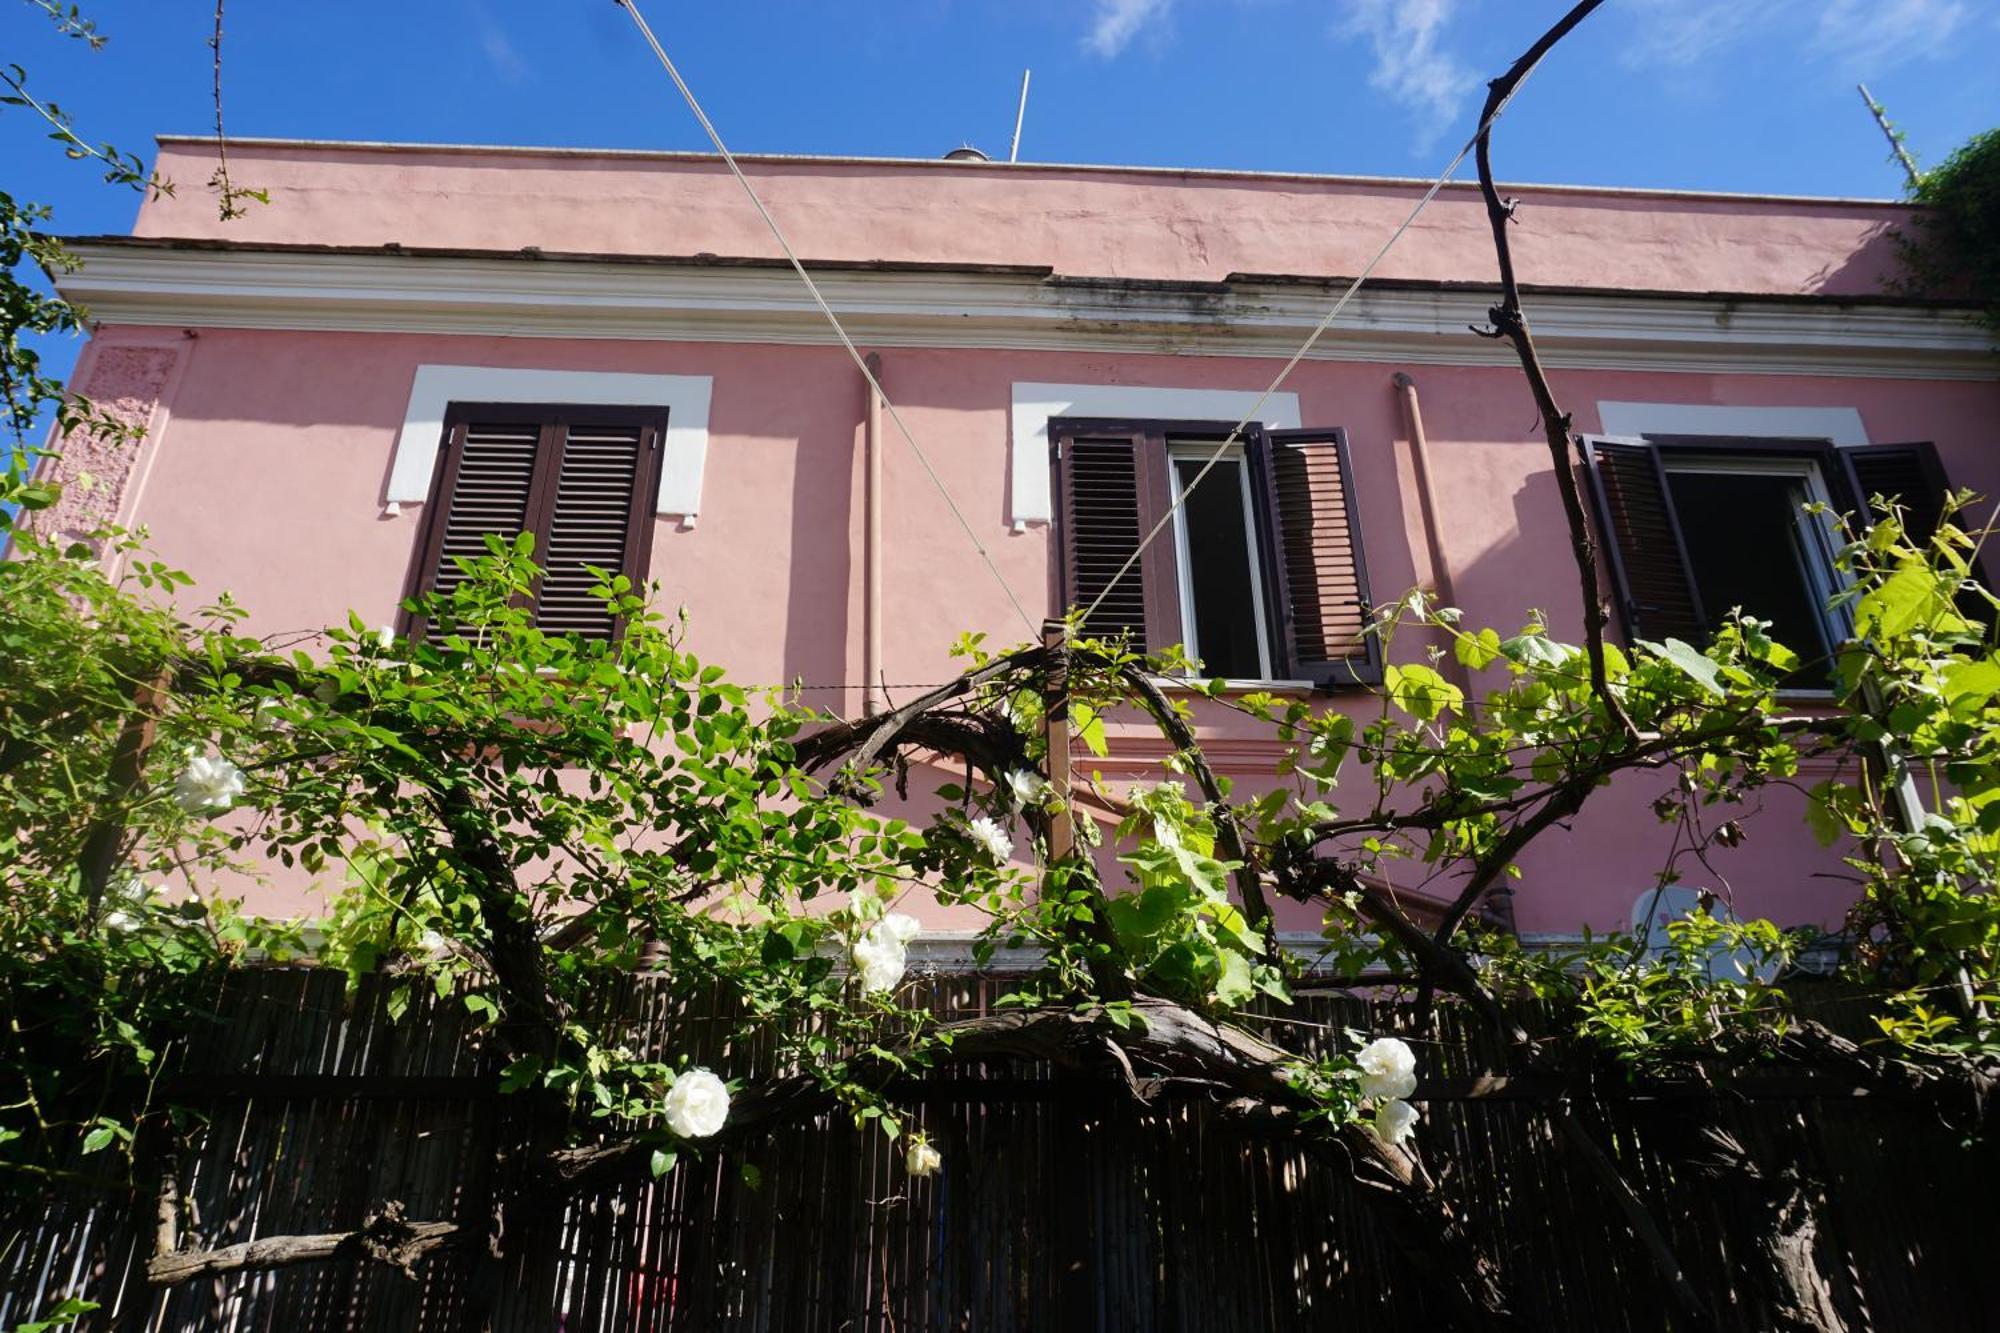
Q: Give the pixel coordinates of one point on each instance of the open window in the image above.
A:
(1699, 525)
(580, 478)
(1257, 570)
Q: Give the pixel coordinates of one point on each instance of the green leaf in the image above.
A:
(1824, 821)
(1978, 680)
(1478, 650)
(1895, 605)
(1238, 983)
(661, 1162)
(1089, 728)
(96, 1140)
(65, 1313)
(1421, 692)
(1698, 668)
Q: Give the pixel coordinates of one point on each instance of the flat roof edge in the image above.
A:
(1094, 168)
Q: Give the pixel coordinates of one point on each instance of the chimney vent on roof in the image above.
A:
(965, 152)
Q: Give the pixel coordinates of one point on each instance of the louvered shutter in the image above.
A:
(1912, 476)
(1112, 485)
(580, 479)
(597, 515)
(1908, 474)
(1313, 557)
(1643, 541)
(485, 487)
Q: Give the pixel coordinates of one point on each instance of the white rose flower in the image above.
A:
(697, 1104)
(134, 890)
(1395, 1122)
(1388, 1069)
(209, 784)
(121, 921)
(880, 954)
(431, 942)
(993, 839)
(385, 637)
(923, 1160)
(1027, 787)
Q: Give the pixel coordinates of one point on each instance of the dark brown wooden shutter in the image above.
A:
(1912, 476)
(1908, 474)
(597, 517)
(1643, 540)
(582, 480)
(1112, 484)
(485, 486)
(1314, 557)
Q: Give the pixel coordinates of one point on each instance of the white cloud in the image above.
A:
(1676, 33)
(1866, 35)
(1855, 36)
(1432, 84)
(498, 48)
(1119, 21)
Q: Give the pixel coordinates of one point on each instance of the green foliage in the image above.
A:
(1953, 247)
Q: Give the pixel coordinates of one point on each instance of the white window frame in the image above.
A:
(1201, 451)
(1814, 532)
(683, 450)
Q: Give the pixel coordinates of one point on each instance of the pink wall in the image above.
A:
(267, 477)
(1080, 221)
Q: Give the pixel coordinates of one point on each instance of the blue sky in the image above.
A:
(1753, 95)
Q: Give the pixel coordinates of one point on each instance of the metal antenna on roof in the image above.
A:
(1889, 132)
(1020, 113)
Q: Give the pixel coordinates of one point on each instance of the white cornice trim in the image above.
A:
(683, 453)
(601, 299)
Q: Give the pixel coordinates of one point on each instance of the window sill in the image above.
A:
(1201, 685)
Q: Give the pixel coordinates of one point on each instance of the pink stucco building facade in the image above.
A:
(298, 370)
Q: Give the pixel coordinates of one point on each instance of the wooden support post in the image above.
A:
(1055, 710)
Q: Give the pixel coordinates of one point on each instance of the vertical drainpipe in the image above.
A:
(871, 546)
(1420, 453)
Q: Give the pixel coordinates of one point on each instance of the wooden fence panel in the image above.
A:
(1063, 1203)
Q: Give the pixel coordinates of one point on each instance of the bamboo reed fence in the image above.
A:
(1063, 1203)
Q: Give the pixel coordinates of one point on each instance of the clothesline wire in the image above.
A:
(854, 353)
(1312, 339)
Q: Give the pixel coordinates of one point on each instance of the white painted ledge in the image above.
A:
(1840, 425)
(1036, 404)
(684, 452)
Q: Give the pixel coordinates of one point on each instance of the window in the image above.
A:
(581, 479)
(1699, 525)
(1259, 573)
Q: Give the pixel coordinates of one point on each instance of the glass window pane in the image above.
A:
(1742, 534)
(1219, 570)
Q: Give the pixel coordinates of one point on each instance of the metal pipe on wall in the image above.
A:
(872, 700)
(1420, 457)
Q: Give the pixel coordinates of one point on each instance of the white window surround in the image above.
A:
(1036, 404)
(1838, 425)
(684, 452)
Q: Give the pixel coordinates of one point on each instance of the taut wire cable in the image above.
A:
(854, 353)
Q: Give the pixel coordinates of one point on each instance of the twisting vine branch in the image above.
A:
(1511, 323)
